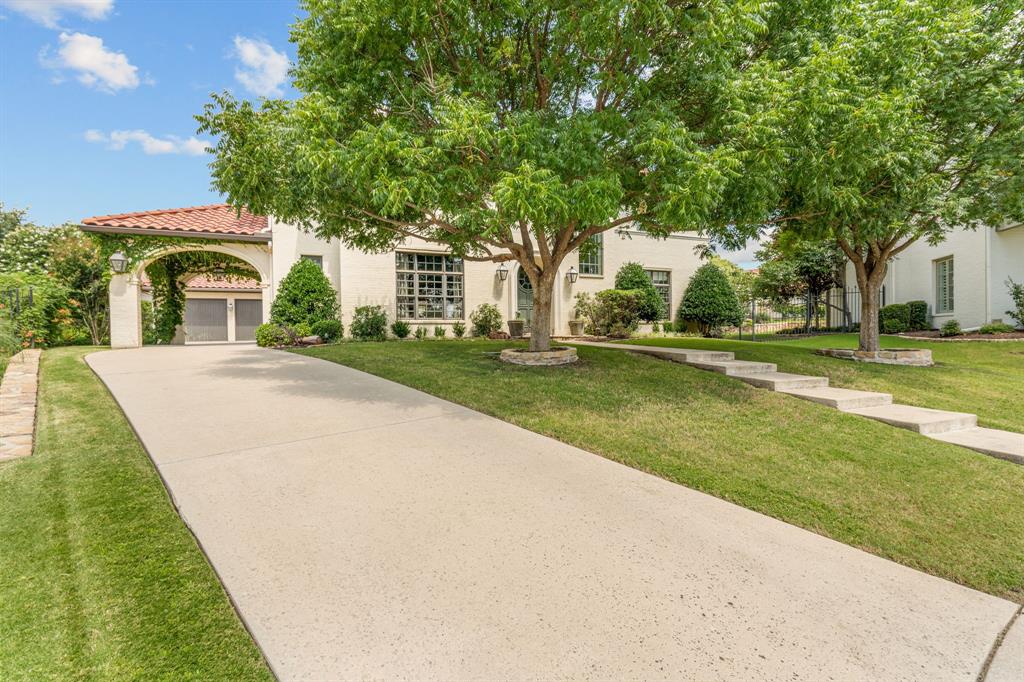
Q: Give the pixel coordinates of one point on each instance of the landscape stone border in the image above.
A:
(18, 394)
(559, 355)
(914, 357)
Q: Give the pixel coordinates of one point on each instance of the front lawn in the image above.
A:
(933, 506)
(986, 378)
(100, 577)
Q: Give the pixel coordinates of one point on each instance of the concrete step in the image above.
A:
(783, 381)
(840, 398)
(920, 419)
(684, 355)
(734, 368)
(1003, 444)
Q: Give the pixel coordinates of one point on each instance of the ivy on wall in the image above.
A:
(168, 274)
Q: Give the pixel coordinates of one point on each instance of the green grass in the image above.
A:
(933, 506)
(100, 577)
(982, 377)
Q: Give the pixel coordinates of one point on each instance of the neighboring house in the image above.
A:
(416, 282)
(963, 278)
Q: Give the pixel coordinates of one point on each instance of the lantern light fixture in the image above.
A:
(118, 262)
(502, 272)
(572, 275)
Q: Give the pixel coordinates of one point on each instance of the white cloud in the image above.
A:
(169, 144)
(49, 12)
(263, 68)
(95, 65)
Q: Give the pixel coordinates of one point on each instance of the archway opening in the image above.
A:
(198, 296)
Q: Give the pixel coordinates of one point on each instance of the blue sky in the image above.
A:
(97, 97)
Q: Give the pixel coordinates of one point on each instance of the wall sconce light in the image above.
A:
(118, 262)
(572, 275)
(502, 272)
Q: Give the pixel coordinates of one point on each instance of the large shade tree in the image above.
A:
(516, 130)
(908, 123)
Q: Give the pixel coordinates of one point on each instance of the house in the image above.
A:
(418, 281)
(963, 278)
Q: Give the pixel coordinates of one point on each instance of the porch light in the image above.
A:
(502, 272)
(572, 274)
(118, 262)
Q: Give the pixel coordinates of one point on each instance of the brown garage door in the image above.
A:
(248, 316)
(206, 319)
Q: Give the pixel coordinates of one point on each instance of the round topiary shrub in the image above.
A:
(329, 331)
(304, 295)
(271, 335)
(486, 319)
(370, 323)
(710, 302)
(401, 329)
(631, 277)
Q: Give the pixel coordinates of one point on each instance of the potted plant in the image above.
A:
(516, 326)
(576, 327)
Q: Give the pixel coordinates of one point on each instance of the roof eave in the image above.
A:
(223, 237)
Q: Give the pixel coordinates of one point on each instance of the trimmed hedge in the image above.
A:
(304, 295)
(632, 277)
(370, 323)
(710, 302)
(918, 315)
(328, 330)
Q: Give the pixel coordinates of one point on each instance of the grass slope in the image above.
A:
(981, 377)
(101, 579)
(929, 505)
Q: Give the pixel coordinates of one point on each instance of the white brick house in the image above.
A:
(415, 282)
(962, 278)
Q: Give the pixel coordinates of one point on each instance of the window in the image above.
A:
(319, 260)
(944, 285)
(429, 286)
(662, 280)
(592, 258)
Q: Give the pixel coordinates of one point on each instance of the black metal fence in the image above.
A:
(837, 310)
(14, 300)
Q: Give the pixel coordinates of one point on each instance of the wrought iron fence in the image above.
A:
(837, 310)
(14, 300)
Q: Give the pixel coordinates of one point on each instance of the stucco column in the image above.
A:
(268, 298)
(125, 313)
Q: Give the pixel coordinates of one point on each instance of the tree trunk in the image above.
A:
(540, 325)
(870, 284)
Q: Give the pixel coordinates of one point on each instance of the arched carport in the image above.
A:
(216, 228)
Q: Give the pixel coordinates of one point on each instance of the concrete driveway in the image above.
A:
(367, 530)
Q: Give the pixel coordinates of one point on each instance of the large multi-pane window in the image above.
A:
(592, 258)
(429, 286)
(944, 285)
(662, 280)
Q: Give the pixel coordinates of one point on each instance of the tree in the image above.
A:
(515, 130)
(906, 123)
(800, 268)
(25, 248)
(305, 295)
(710, 301)
(742, 281)
(10, 218)
(631, 276)
(76, 261)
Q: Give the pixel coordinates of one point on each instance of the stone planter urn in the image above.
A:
(515, 328)
(576, 327)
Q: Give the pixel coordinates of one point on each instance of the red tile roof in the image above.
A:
(214, 282)
(215, 219)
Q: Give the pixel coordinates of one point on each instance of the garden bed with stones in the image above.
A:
(916, 357)
(558, 355)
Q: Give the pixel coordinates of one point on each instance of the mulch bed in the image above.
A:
(969, 336)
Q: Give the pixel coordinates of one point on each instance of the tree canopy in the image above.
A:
(517, 129)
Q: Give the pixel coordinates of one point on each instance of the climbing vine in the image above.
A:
(167, 275)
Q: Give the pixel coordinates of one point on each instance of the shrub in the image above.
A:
(301, 329)
(459, 329)
(631, 276)
(951, 328)
(439, 332)
(329, 331)
(611, 312)
(148, 323)
(304, 295)
(400, 328)
(893, 325)
(485, 319)
(668, 326)
(271, 335)
(420, 333)
(40, 323)
(655, 328)
(917, 315)
(996, 328)
(710, 302)
(1017, 294)
(370, 323)
(894, 316)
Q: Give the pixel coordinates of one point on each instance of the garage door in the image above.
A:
(206, 319)
(248, 316)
